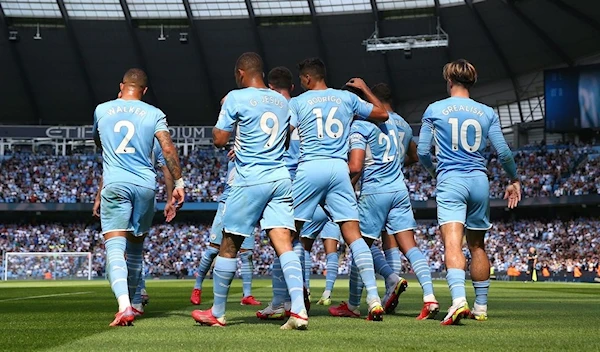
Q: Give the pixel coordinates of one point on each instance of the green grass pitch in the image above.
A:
(74, 316)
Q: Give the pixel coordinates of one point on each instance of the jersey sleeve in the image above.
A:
(358, 136)
(161, 122)
(425, 139)
(360, 107)
(293, 106)
(228, 114)
(504, 154)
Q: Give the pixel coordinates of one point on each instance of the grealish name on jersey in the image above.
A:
(456, 108)
(127, 110)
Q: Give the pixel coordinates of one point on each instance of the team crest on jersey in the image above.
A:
(213, 237)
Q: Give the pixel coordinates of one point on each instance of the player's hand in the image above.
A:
(170, 211)
(231, 155)
(178, 198)
(357, 83)
(96, 208)
(513, 194)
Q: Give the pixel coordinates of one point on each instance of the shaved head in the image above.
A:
(135, 78)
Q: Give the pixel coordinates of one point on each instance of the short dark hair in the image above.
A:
(354, 90)
(281, 78)
(249, 62)
(383, 92)
(314, 67)
(135, 77)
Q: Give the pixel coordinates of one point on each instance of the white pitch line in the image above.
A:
(45, 296)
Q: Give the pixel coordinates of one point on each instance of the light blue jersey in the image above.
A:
(262, 120)
(385, 146)
(461, 128)
(292, 154)
(230, 177)
(323, 119)
(126, 130)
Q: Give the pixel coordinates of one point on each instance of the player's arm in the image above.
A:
(226, 121)
(95, 133)
(96, 208)
(513, 191)
(358, 146)
(424, 146)
(378, 111)
(171, 160)
(170, 210)
(411, 154)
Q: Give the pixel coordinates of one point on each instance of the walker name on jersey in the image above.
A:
(127, 110)
(456, 108)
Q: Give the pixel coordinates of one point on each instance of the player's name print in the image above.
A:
(466, 108)
(325, 99)
(127, 110)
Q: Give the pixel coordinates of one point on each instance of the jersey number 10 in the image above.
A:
(464, 128)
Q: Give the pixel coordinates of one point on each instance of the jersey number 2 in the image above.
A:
(123, 148)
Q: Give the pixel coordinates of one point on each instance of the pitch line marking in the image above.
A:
(45, 296)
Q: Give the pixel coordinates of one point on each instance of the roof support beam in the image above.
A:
(138, 48)
(577, 14)
(438, 14)
(203, 61)
(498, 52)
(77, 48)
(21, 68)
(386, 61)
(259, 44)
(551, 44)
(319, 37)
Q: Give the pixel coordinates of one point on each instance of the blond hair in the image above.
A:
(460, 72)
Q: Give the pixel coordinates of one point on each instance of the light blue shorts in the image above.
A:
(465, 200)
(390, 211)
(324, 182)
(320, 225)
(270, 203)
(216, 231)
(126, 207)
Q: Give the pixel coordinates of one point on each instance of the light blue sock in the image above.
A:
(280, 291)
(361, 254)
(392, 256)
(116, 267)
(137, 297)
(134, 266)
(299, 250)
(246, 272)
(223, 274)
(207, 259)
(481, 291)
(456, 282)
(292, 272)
(421, 268)
(356, 286)
(307, 269)
(332, 270)
(381, 266)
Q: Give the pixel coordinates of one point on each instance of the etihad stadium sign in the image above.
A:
(85, 132)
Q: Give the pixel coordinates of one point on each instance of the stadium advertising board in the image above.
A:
(85, 132)
(572, 97)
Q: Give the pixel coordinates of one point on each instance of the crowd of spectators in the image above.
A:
(42, 177)
(176, 249)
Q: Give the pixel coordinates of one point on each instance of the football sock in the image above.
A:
(247, 268)
(299, 250)
(223, 273)
(116, 268)
(392, 256)
(208, 256)
(134, 265)
(292, 272)
(307, 269)
(421, 268)
(361, 254)
(137, 297)
(356, 287)
(280, 292)
(382, 267)
(456, 282)
(481, 291)
(332, 272)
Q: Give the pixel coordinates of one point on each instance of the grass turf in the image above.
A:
(74, 316)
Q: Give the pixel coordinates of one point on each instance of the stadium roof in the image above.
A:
(84, 47)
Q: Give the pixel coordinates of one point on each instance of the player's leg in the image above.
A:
(307, 244)
(451, 200)
(140, 298)
(239, 220)
(331, 237)
(477, 225)
(277, 220)
(391, 252)
(116, 210)
(247, 270)
(309, 234)
(209, 254)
